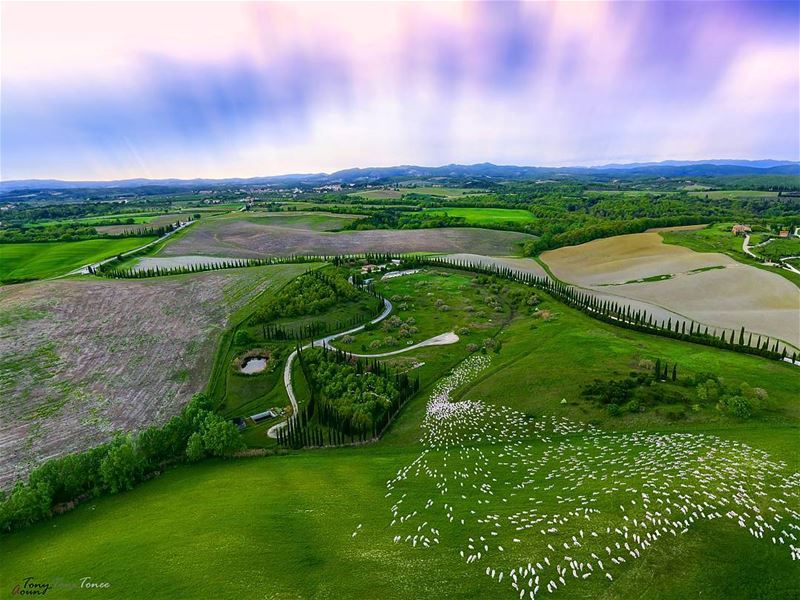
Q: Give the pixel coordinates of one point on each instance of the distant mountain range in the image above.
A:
(482, 171)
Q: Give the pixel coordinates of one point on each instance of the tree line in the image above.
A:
(309, 294)
(315, 329)
(622, 315)
(110, 271)
(60, 483)
(351, 399)
(73, 232)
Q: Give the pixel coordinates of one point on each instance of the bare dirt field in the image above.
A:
(312, 221)
(82, 358)
(243, 238)
(707, 287)
(738, 295)
(626, 258)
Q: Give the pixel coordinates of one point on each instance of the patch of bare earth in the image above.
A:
(730, 296)
(241, 238)
(626, 258)
(313, 221)
(80, 359)
(736, 296)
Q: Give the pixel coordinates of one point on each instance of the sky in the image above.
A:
(95, 91)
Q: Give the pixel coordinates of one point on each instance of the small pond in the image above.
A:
(253, 364)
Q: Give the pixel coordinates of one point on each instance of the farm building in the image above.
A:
(267, 414)
(739, 229)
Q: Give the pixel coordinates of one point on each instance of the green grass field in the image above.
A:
(714, 238)
(47, 259)
(317, 523)
(778, 248)
(436, 302)
(486, 216)
(444, 192)
(718, 238)
(137, 218)
(286, 524)
(719, 194)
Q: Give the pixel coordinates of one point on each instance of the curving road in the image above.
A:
(325, 342)
(443, 339)
(440, 340)
(84, 270)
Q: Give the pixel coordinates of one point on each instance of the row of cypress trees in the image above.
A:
(303, 431)
(621, 315)
(604, 310)
(235, 263)
(315, 329)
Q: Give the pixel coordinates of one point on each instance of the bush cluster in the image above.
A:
(120, 464)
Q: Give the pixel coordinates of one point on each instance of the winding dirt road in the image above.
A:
(325, 342)
(440, 340)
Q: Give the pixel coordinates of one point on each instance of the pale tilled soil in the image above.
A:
(242, 238)
(80, 359)
(625, 258)
(730, 297)
(733, 297)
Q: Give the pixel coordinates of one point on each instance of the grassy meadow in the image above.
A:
(317, 523)
(48, 259)
(486, 216)
(282, 527)
(779, 248)
(427, 304)
(137, 218)
(718, 238)
(714, 238)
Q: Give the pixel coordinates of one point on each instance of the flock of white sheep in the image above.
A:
(540, 503)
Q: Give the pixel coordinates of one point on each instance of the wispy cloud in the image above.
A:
(93, 90)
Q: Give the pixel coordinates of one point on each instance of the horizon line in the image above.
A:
(643, 163)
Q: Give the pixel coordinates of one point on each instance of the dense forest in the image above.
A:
(309, 294)
(351, 394)
(351, 400)
(74, 232)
